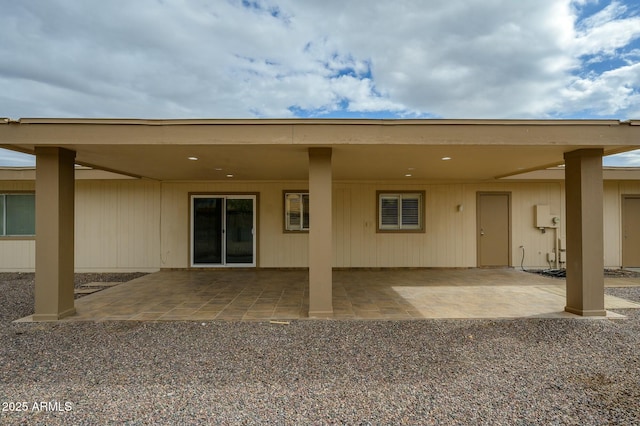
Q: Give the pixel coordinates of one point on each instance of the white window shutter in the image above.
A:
(410, 212)
(294, 206)
(389, 205)
(402, 211)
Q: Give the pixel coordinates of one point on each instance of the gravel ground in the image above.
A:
(562, 273)
(524, 371)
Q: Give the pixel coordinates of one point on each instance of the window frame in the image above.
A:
(3, 216)
(285, 216)
(408, 229)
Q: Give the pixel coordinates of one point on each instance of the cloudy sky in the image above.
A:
(329, 58)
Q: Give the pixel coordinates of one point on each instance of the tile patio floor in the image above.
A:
(357, 294)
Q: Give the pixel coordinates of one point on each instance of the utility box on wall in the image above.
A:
(544, 218)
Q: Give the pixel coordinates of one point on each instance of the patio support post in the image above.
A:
(320, 233)
(585, 242)
(54, 233)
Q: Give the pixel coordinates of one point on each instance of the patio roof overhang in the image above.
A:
(321, 151)
(259, 149)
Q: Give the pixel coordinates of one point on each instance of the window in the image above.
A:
(400, 211)
(296, 211)
(17, 214)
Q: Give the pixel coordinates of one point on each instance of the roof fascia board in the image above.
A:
(319, 121)
(83, 133)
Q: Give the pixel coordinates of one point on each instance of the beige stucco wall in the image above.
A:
(449, 240)
(119, 225)
(613, 192)
(117, 228)
(275, 248)
(17, 255)
(450, 237)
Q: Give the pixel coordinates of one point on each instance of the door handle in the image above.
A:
(481, 232)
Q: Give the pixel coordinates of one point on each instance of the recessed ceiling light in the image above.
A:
(229, 175)
(408, 175)
(411, 168)
(446, 158)
(193, 158)
(218, 169)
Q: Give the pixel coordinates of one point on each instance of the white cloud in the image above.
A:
(606, 33)
(16, 159)
(608, 93)
(269, 58)
(627, 159)
(612, 11)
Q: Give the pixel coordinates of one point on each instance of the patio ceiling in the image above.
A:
(362, 149)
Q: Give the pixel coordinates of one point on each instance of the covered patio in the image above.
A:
(282, 295)
(318, 153)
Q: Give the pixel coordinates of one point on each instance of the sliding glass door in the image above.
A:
(222, 230)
